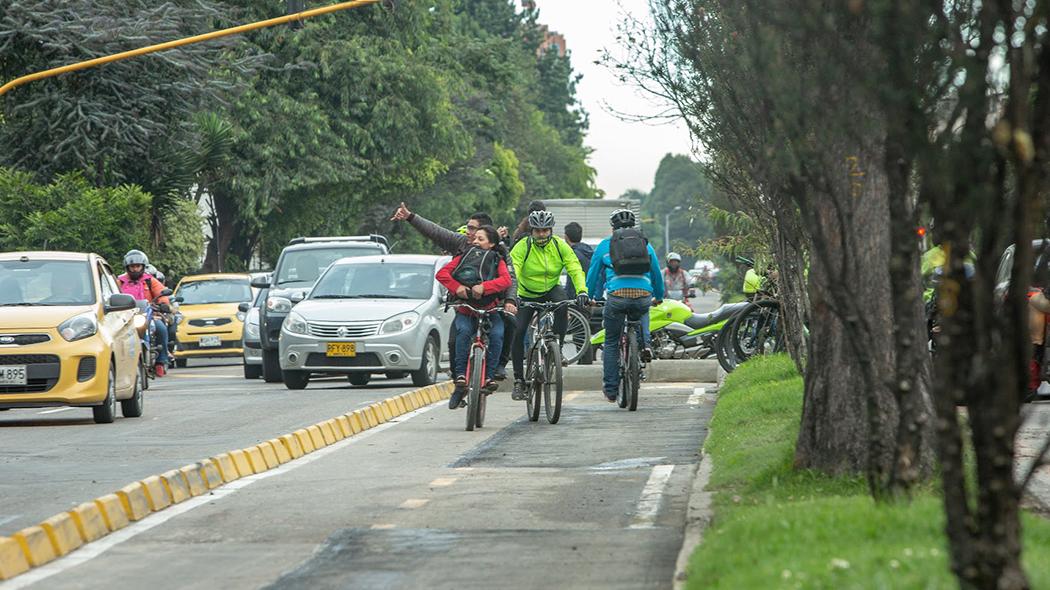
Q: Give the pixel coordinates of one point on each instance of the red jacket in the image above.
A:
(496, 286)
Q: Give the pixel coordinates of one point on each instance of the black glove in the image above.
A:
(582, 300)
(657, 302)
(164, 308)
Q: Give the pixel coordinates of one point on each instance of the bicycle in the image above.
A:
(544, 371)
(631, 365)
(476, 366)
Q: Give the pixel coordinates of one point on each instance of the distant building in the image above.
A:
(551, 39)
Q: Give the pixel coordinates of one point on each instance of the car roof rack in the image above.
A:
(378, 239)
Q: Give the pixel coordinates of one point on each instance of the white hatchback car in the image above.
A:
(367, 315)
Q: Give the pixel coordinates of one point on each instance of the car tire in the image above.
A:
(296, 379)
(252, 371)
(181, 363)
(428, 370)
(271, 367)
(396, 375)
(359, 379)
(132, 408)
(106, 413)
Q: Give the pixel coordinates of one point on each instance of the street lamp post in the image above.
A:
(667, 231)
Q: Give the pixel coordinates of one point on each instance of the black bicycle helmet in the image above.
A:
(541, 220)
(622, 218)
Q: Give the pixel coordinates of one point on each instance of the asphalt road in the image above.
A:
(597, 501)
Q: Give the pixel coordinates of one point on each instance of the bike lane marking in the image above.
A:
(698, 396)
(652, 495)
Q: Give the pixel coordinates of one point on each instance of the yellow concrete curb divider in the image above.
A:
(67, 531)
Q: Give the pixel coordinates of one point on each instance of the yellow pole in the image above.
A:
(181, 42)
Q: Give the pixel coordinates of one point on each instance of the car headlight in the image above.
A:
(79, 327)
(240, 316)
(295, 324)
(278, 304)
(400, 323)
(252, 330)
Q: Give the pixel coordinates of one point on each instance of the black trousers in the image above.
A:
(561, 322)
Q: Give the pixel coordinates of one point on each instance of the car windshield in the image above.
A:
(376, 281)
(304, 266)
(215, 291)
(46, 282)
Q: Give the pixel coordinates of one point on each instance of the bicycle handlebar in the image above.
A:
(491, 311)
(548, 306)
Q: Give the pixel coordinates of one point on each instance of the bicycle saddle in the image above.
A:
(702, 320)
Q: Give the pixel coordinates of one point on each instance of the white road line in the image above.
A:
(698, 396)
(93, 550)
(413, 503)
(443, 482)
(56, 410)
(7, 519)
(652, 494)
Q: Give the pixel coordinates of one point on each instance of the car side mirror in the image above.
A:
(244, 307)
(261, 282)
(119, 302)
(297, 297)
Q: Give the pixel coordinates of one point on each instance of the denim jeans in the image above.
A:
(617, 311)
(162, 341)
(466, 326)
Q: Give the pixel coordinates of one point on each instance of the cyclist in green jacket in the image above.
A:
(539, 261)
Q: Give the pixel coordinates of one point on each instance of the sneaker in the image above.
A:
(611, 398)
(159, 368)
(518, 394)
(490, 387)
(499, 374)
(647, 355)
(456, 401)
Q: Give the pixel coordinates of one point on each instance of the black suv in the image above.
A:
(300, 265)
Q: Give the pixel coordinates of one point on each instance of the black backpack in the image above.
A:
(477, 266)
(629, 251)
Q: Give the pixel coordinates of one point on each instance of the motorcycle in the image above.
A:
(147, 331)
(679, 333)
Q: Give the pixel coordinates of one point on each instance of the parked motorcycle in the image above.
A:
(678, 333)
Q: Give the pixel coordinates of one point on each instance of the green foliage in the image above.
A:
(71, 214)
(681, 182)
(817, 531)
(181, 245)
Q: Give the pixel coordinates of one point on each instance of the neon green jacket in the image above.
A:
(538, 268)
(752, 282)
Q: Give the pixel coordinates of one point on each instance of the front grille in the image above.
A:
(28, 359)
(86, 369)
(344, 329)
(365, 359)
(23, 339)
(42, 372)
(197, 346)
(209, 322)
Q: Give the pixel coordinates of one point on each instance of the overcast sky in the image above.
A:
(626, 154)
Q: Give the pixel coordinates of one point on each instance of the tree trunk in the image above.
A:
(224, 231)
(789, 251)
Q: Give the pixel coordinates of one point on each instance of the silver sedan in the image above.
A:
(365, 316)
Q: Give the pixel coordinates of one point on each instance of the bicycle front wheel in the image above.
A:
(532, 383)
(475, 399)
(552, 384)
(634, 370)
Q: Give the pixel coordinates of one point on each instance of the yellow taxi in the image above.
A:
(209, 323)
(67, 336)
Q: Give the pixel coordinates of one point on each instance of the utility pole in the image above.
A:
(667, 231)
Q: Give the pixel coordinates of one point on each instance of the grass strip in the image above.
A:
(778, 527)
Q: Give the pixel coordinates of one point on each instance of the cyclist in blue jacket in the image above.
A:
(627, 296)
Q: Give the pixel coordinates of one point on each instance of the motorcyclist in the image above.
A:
(676, 281)
(144, 287)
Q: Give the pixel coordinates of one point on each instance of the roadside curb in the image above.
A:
(67, 531)
(698, 517)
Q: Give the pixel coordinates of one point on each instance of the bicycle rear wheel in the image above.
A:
(724, 346)
(577, 337)
(552, 384)
(475, 411)
(532, 399)
(634, 370)
(757, 332)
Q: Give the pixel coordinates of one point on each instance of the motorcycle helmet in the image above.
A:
(675, 256)
(622, 218)
(135, 257)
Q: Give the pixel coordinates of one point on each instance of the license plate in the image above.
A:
(13, 375)
(342, 349)
(211, 341)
